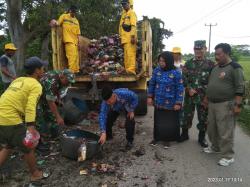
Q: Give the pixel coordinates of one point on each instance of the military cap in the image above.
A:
(199, 44)
(124, 2)
(34, 62)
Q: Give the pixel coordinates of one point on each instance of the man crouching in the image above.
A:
(114, 102)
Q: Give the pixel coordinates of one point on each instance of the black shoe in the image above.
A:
(153, 143)
(129, 146)
(203, 143)
(184, 135)
(201, 139)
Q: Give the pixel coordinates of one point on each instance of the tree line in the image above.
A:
(26, 23)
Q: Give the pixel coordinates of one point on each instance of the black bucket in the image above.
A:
(70, 143)
(74, 110)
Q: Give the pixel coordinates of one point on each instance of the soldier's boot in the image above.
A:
(201, 139)
(184, 135)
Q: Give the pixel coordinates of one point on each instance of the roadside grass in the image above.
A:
(245, 63)
(244, 118)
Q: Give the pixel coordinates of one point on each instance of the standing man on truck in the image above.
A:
(71, 33)
(7, 66)
(128, 34)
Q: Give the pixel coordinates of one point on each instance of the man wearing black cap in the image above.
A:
(71, 33)
(18, 114)
(195, 75)
(114, 102)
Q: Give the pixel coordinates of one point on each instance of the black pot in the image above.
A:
(70, 144)
(74, 110)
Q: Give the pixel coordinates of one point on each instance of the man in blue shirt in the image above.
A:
(114, 102)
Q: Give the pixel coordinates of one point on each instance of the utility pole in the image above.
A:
(210, 31)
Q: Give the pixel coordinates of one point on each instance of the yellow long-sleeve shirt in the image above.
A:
(128, 18)
(71, 28)
(18, 103)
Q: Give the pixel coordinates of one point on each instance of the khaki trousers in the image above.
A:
(221, 127)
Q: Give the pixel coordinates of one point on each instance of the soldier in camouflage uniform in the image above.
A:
(49, 117)
(195, 74)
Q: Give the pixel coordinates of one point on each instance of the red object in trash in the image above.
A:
(31, 139)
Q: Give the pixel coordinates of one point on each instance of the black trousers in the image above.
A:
(166, 125)
(129, 126)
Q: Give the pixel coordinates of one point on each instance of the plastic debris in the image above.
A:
(40, 162)
(102, 168)
(82, 152)
(83, 172)
(31, 139)
(12, 156)
(85, 122)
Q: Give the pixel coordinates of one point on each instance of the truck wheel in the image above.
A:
(142, 108)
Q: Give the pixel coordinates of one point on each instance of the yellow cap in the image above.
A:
(10, 46)
(176, 50)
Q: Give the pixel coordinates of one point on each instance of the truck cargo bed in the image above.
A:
(111, 78)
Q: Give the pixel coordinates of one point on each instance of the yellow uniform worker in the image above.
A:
(71, 31)
(128, 34)
(18, 115)
(19, 101)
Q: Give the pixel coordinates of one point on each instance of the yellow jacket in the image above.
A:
(128, 18)
(18, 103)
(71, 28)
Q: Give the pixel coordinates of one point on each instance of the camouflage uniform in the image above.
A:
(52, 90)
(195, 76)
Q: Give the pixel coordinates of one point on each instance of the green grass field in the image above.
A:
(244, 118)
(245, 63)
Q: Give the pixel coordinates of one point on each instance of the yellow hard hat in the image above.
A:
(176, 50)
(10, 46)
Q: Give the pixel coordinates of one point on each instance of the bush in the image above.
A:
(247, 93)
(244, 118)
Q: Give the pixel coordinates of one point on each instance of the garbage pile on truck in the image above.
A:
(105, 57)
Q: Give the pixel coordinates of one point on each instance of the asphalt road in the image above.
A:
(185, 164)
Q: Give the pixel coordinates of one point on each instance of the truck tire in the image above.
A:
(142, 108)
(74, 110)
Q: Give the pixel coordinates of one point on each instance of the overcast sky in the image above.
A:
(187, 19)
